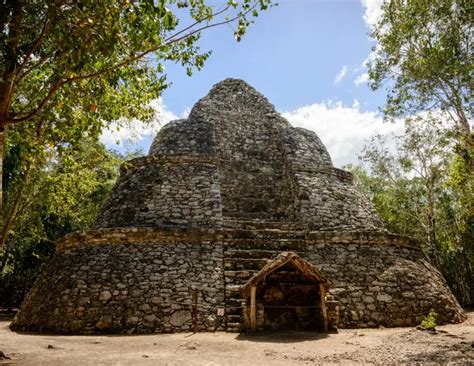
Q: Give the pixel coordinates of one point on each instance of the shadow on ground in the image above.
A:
(452, 354)
(289, 336)
(7, 315)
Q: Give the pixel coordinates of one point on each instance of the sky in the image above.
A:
(306, 56)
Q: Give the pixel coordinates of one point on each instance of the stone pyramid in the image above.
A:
(222, 194)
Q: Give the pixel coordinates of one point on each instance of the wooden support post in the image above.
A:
(322, 293)
(253, 308)
(195, 311)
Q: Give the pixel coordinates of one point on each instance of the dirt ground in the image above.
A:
(450, 344)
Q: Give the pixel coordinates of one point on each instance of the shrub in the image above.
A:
(429, 321)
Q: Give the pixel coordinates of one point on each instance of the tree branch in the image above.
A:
(11, 118)
(35, 45)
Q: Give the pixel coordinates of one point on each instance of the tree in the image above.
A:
(73, 66)
(62, 194)
(413, 176)
(424, 56)
(420, 192)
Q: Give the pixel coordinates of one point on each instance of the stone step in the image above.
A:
(233, 287)
(234, 290)
(231, 293)
(252, 253)
(276, 245)
(258, 224)
(247, 216)
(233, 327)
(241, 276)
(244, 264)
(234, 307)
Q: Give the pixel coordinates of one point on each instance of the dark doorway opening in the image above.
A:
(288, 293)
(290, 301)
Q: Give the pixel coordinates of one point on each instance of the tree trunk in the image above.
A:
(432, 227)
(2, 140)
(10, 56)
(10, 219)
(465, 149)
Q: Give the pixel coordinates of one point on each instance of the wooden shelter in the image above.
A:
(288, 285)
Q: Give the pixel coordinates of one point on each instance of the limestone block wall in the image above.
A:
(392, 286)
(324, 197)
(328, 200)
(248, 144)
(304, 148)
(377, 278)
(235, 142)
(184, 137)
(170, 191)
(134, 280)
(127, 287)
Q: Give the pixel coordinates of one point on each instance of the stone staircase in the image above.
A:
(254, 224)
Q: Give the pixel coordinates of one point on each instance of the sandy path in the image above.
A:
(451, 344)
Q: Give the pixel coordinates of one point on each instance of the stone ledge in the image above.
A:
(167, 159)
(325, 237)
(145, 235)
(134, 235)
(342, 174)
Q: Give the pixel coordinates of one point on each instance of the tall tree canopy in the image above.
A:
(58, 193)
(69, 67)
(424, 56)
(419, 192)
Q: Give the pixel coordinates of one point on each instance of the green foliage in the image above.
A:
(24, 262)
(429, 321)
(424, 58)
(85, 63)
(421, 189)
(406, 183)
(48, 197)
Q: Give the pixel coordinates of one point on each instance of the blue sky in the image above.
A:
(291, 54)
(306, 56)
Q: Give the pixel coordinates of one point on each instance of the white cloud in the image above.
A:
(373, 11)
(340, 75)
(361, 79)
(343, 129)
(128, 135)
(363, 76)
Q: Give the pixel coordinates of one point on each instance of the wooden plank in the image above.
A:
(322, 293)
(253, 308)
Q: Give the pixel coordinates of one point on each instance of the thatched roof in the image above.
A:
(307, 270)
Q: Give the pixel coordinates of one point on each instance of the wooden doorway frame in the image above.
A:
(249, 290)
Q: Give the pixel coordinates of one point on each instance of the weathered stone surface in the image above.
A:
(105, 295)
(220, 194)
(145, 306)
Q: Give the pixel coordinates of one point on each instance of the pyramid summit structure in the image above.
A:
(235, 220)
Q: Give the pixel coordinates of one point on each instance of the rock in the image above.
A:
(179, 318)
(105, 296)
(132, 320)
(384, 297)
(145, 307)
(368, 299)
(104, 323)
